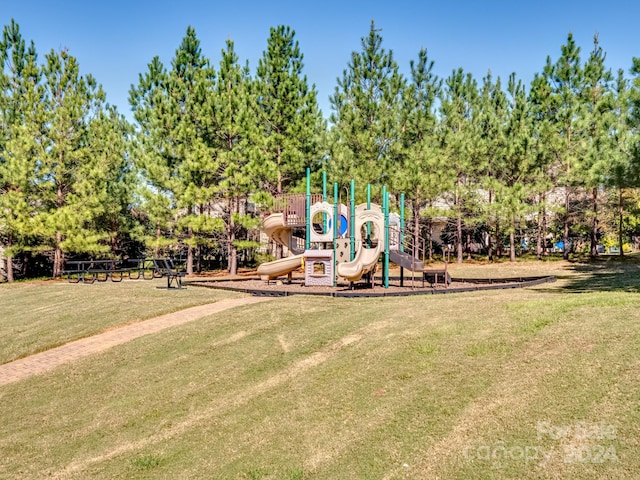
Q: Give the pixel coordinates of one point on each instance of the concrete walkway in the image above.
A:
(50, 359)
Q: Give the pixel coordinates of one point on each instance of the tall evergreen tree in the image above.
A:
(458, 108)
(566, 77)
(599, 119)
(517, 166)
(291, 122)
(420, 173)
(543, 175)
(74, 175)
(491, 145)
(20, 100)
(234, 128)
(365, 138)
(174, 152)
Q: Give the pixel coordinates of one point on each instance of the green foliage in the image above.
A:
(365, 136)
(291, 124)
(173, 151)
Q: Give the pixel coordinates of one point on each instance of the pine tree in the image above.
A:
(544, 144)
(78, 161)
(174, 152)
(458, 106)
(365, 138)
(234, 127)
(109, 144)
(20, 99)
(566, 77)
(491, 146)
(291, 122)
(421, 172)
(623, 170)
(599, 118)
(517, 166)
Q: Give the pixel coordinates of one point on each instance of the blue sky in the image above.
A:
(115, 40)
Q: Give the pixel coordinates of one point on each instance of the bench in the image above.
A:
(166, 268)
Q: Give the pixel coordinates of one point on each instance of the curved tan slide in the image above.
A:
(365, 259)
(274, 227)
(278, 268)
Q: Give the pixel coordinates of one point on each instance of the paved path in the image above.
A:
(50, 359)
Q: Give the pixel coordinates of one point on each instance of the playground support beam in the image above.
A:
(352, 219)
(385, 210)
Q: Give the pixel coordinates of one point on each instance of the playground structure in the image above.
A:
(336, 243)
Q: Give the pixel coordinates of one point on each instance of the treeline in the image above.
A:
(499, 163)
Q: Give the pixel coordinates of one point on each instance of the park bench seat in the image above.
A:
(166, 268)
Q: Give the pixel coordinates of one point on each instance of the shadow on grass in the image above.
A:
(605, 273)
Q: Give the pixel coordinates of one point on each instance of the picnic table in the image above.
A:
(101, 270)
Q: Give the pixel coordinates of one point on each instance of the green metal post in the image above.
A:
(386, 237)
(352, 219)
(307, 243)
(336, 219)
(368, 208)
(324, 185)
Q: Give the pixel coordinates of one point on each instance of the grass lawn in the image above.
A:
(36, 316)
(532, 383)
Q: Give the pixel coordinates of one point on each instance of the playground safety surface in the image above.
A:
(281, 288)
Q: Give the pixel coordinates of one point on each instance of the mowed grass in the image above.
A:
(36, 316)
(531, 383)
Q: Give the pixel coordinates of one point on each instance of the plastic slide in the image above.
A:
(274, 227)
(278, 268)
(365, 259)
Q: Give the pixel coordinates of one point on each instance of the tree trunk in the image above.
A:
(189, 252)
(9, 258)
(459, 249)
(468, 246)
(594, 224)
(498, 242)
(539, 233)
(459, 225)
(57, 257)
(565, 237)
(156, 250)
(416, 224)
(489, 244)
(232, 250)
(430, 239)
(620, 219)
(10, 277)
(544, 226)
(512, 246)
